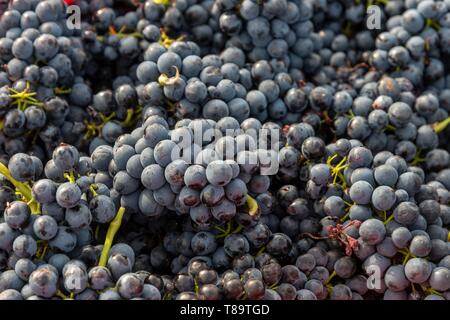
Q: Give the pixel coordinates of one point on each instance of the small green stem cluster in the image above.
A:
(42, 249)
(93, 129)
(228, 229)
(122, 34)
(165, 40)
(431, 23)
(407, 255)
(431, 291)
(70, 176)
(25, 98)
(336, 171)
(418, 159)
(348, 205)
(132, 118)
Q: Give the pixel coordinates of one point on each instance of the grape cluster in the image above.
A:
(43, 92)
(208, 170)
(225, 150)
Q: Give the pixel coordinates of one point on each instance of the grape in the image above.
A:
(16, 214)
(109, 295)
(341, 292)
(65, 240)
(155, 133)
(45, 227)
(345, 267)
(395, 278)
(430, 210)
(361, 192)
(418, 270)
(254, 289)
(124, 183)
(10, 294)
(68, 195)
(334, 206)
(153, 177)
(306, 262)
(102, 208)
(218, 173)
(420, 246)
(236, 245)
(21, 167)
(24, 246)
(236, 191)
(101, 157)
(100, 278)
(406, 213)
(203, 243)
(305, 294)
(387, 247)
(383, 198)
(150, 292)
(65, 157)
(164, 195)
(79, 216)
(409, 182)
(24, 267)
(439, 279)
(359, 157)
(130, 286)
(43, 282)
(200, 214)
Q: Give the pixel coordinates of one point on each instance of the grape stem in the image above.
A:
(93, 129)
(121, 33)
(22, 188)
(389, 219)
(24, 98)
(165, 3)
(228, 230)
(132, 117)
(42, 249)
(112, 230)
(330, 277)
(252, 206)
(92, 188)
(70, 176)
(61, 295)
(165, 40)
(61, 91)
(164, 79)
(441, 126)
(260, 251)
(336, 171)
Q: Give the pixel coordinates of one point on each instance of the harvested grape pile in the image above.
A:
(225, 150)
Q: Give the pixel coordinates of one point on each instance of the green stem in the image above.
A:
(441, 126)
(23, 188)
(112, 230)
(252, 205)
(389, 219)
(330, 278)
